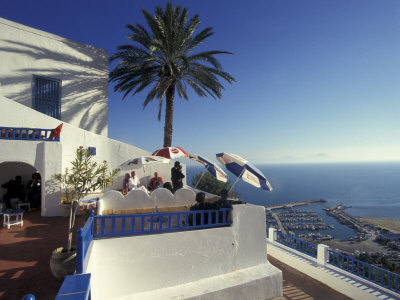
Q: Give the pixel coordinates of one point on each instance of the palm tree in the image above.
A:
(163, 61)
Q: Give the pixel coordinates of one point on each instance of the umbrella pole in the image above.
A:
(145, 177)
(237, 179)
(199, 179)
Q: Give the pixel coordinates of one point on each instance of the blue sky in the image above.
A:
(316, 81)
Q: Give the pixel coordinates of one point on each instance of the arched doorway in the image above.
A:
(10, 169)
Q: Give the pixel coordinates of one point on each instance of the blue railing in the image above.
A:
(297, 244)
(83, 240)
(365, 270)
(30, 134)
(135, 224)
(75, 287)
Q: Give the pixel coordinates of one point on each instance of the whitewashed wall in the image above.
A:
(50, 158)
(83, 69)
(153, 262)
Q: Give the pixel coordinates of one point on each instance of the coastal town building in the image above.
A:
(46, 80)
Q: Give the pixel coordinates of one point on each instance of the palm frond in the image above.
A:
(161, 61)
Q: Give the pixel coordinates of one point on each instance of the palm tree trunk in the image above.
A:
(169, 116)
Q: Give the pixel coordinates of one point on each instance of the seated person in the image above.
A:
(156, 181)
(223, 202)
(168, 186)
(134, 182)
(34, 190)
(201, 204)
(125, 184)
(15, 189)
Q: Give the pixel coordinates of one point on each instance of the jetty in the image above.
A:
(292, 204)
(278, 221)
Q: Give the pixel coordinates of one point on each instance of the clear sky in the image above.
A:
(316, 80)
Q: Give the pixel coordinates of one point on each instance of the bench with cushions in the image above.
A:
(137, 201)
(140, 203)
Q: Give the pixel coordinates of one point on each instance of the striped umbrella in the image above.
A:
(243, 169)
(171, 152)
(211, 167)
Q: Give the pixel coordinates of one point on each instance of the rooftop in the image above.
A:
(26, 251)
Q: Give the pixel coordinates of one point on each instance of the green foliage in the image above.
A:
(380, 260)
(162, 61)
(84, 177)
(210, 184)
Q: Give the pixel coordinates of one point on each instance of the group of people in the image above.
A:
(30, 193)
(132, 182)
(203, 203)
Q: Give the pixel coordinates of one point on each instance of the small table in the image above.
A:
(22, 204)
(10, 215)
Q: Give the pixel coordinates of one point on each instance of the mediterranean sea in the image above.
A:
(370, 189)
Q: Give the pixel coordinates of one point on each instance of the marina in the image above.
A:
(298, 220)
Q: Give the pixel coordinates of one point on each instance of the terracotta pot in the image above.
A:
(62, 263)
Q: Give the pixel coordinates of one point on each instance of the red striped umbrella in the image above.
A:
(171, 152)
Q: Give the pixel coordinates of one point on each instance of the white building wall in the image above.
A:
(83, 69)
(148, 263)
(50, 159)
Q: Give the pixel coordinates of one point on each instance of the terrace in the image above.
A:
(158, 255)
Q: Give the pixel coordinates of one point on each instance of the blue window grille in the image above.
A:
(46, 96)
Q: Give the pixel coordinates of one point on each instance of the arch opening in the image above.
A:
(9, 170)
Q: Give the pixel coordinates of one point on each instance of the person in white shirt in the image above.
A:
(134, 182)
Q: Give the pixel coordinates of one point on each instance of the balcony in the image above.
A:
(28, 134)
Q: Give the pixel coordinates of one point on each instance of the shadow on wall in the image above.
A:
(84, 79)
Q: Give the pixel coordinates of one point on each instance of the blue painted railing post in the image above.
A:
(79, 252)
(91, 216)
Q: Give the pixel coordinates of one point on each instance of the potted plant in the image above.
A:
(84, 177)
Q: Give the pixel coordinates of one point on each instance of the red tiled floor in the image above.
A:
(25, 256)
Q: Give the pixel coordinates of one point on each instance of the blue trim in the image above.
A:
(29, 297)
(161, 222)
(145, 224)
(75, 287)
(83, 241)
(365, 270)
(27, 134)
(92, 151)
